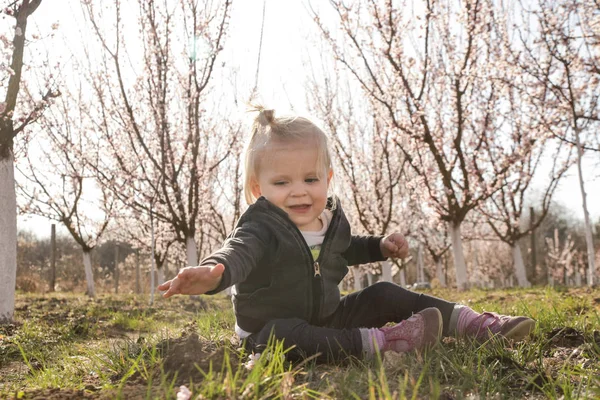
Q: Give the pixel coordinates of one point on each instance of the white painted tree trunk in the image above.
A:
(586, 215)
(519, 266)
(8, 239)
(165, 270)
(138, 274)
(403, 277)
(386, 271)
(369, 278)
(439, 269)
(89, 274)
(160, 275)
(357, 278)
(152, 261)
(459, 258)
(191, 251)
(420, 266)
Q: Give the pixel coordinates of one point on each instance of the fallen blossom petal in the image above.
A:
(184, 393)
(252, 359)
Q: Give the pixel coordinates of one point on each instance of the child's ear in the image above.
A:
(329, 176)
(255, 188)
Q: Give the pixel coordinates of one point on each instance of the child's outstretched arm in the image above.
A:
(367, 249)
(194, 280)
(394, 245)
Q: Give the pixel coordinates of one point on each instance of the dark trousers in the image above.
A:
(338, 336)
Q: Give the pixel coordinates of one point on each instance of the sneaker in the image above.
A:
(490, 324)
(420, 331)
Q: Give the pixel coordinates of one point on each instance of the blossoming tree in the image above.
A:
(16, 114)
(561, 42)
(58, 183)
(437, 74)
(162, 144)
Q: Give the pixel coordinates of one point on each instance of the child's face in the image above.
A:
(288, 177)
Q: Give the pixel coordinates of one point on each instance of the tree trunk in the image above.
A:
(52, 257)
(459, 257)
(152, 261)
(533, 246)
(165, 270)
(8, 239)
(586, 215)
(403, 277)
(369, 278)
(191, 251)
(357, 280)
(386, 271)
(160, 275)
(116, 270)
(420, 266)
(138, 275)
(89, 275)
(439, 269)
(519, 266)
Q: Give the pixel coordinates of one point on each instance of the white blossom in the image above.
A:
(184, 393)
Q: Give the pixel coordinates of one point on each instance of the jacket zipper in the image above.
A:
(317, 269)
(318, 279)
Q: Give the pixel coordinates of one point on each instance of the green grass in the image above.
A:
(119, 347)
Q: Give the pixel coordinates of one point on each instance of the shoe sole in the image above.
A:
(520, 330)
(440, 328)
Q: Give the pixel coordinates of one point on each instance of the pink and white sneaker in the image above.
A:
(489, 324)
(420, 331)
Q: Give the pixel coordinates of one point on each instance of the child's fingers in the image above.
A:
(172, 291)
(391, 245)
(173, 288)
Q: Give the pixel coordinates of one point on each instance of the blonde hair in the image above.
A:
(267, 128)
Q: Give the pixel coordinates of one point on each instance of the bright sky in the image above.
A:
(282, 72)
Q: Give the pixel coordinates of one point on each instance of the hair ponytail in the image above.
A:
(265, 117)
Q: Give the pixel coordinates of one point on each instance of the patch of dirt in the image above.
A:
(188, 355)
(129, 392)
(565, 337)
(54, 394)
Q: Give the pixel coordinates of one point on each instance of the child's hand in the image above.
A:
(194, 280)
(394, 245)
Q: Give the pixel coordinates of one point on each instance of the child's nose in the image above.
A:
(298, 189)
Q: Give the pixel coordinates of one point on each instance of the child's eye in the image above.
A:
(279, 183)
(311, 180)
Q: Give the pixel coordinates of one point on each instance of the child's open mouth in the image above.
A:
(300, 208)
